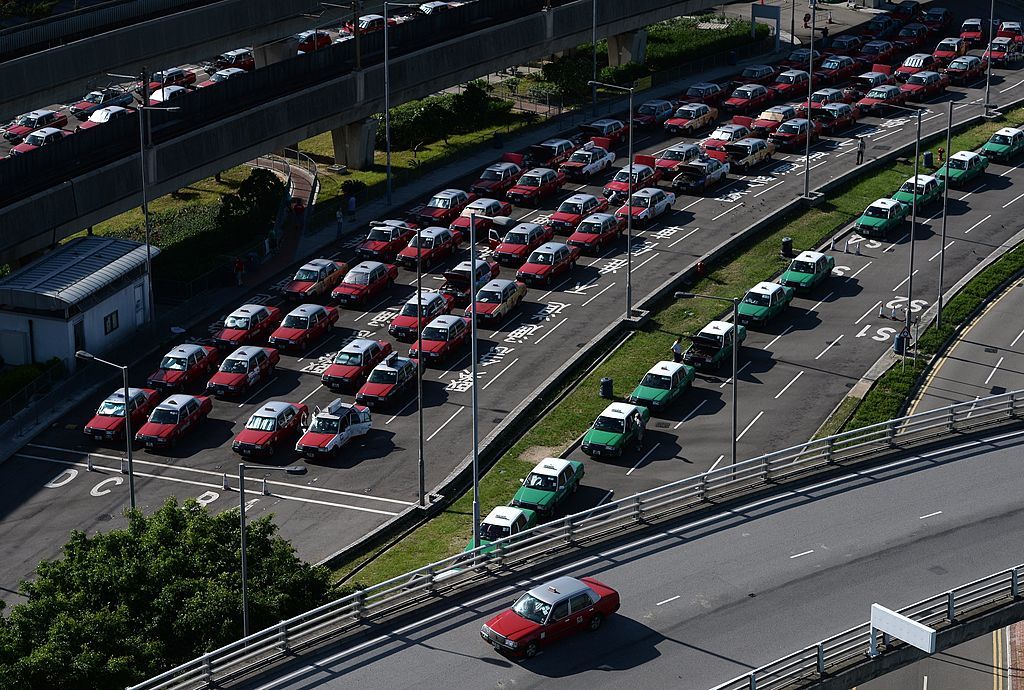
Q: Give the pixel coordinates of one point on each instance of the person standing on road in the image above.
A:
(340, 217)
(351, 207)
(861, 146)
(677, 351)
(239, 269)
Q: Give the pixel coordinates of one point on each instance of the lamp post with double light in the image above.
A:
(473, 365)
(387, 100)
(913, 213)
(89, 357)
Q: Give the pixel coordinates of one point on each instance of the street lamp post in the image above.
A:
(810, 120)
(629, 196)
(242, 467)
(387, 102)
(593, 57)
(473, 356)
(735, 302)
(89, 357)
(945, 203)
(988, 71)
(913, 215)
(420, 458)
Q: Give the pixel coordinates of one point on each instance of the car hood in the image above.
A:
(752, 310)
(736, 101)
(83, 105)
(432, 345)
(167, 375)
(535, 497)
(911, 87)
(573, 218)
(648, 393)
(620, 186)
(20, 130)
(402, 321)
(535, 269)
(572, 165)
(516, 249)
(678, 121)
(871, 221)
(158, 430)
(991, 146)
(345, 371)
(289, 333)
(644, 119)
(523, 189)
(486, 184)
(604, 438)
(231, 335)
(299, 286)
(511, 625)
(411, 252)
(796, 277)
(583, 238)
(349, 289)
(378, 389)
(317, 440)
(431, 212)
(257, 438)
(485, 308)
(105, 423)
(223, 378)
(374, 245)
(635, 210)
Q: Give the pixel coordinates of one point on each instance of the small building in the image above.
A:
(89, 294)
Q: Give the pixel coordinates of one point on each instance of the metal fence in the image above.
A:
(21, 399)
(425, 585)
(848, 648)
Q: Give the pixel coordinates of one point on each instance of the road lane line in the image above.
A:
(500, 373)
(868, 312)
(802, 553)
(258, 391)
(720, 459)
(936, 254)
(1008, 88)
(641, 460)
(736, 206)
(552, 330)
(776, 338)
(994, 370)
(656, 255)
(815, 307)
(829, 347)
(859, 270)
(397, 414)
(1017, 338)
(689, 416)
(510, 319)
(978, 223)
(309, 353)
(692, 204)
(448, 372)
(1012, 200)
(1009, 170)
(976, 189)
(456, 413)
(670, 599)
(729, 380)
(601, 258)
(555, 289)
(752, 422)
(904, 281)
(893, 245)
(372, 309)
(768, 189)
(310, 394)
(597, 295)
(937, 512)
(786, 387)
(683, 237)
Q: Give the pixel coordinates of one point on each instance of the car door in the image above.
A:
(362, 423)
(188, 415)
(559, 624)
(581, 610)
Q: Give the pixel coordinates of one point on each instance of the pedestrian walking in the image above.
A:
(677, 350)
(239, 269)
(861, 147)
(351, 207)
(824, 37)
(807, 20)
(340, 217)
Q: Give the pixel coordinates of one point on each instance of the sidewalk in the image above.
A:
(793, 11)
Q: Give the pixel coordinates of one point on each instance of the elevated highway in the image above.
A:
(82, 180)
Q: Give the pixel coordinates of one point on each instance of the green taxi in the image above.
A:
(882, 216)
(764, 302)
(929, 191)
(503, 521)
(662, 385)
(713, 345)
(807, 271)
(619, 425)
(1005, 145)
(962, 167)
(548, 486)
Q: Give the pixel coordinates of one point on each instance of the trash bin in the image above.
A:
(899, 344)
(787, 246)
(928, 163)
(606, 388)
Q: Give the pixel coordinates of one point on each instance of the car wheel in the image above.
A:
(531, 650)
(596, 621)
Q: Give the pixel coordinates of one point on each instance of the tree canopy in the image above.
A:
(125, 605)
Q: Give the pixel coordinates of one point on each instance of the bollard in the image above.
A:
(88, 462)
(846, 247)
(881, 311)
(265, 491)
(858, 249)
(224, 481)
(124, 466)
(832, 244)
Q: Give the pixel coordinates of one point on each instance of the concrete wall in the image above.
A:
(71, 70)
(40, 220)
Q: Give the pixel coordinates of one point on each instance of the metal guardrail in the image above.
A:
(430, 583)
(811, 664)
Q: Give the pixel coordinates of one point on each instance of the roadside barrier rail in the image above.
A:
(437, 581)
(839, 652)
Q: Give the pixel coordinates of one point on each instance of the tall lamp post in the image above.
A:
(473, 356)
(420, 458)
(991, 34)
(735, 302)
(593, 57)
(629, 195)
(810, 120)
(913, 212)
(387, 101)
(89, 357)
(242, 467)
(945, 203)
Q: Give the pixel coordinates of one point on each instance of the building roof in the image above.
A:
(72, 273)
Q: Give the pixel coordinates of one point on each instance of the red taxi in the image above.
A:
(108, 422)
(274, 423)
(172, 419)
(242, 369)
(354, 362)
(183, 366)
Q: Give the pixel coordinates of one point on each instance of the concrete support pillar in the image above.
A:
(628, 47)
(353, 144)
(274, 52)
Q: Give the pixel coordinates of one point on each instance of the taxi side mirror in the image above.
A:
(522, 480)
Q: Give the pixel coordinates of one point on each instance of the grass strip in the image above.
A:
(448, 532)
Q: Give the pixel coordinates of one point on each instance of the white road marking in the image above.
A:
(736, 206)
(768, 189)
(500, 373)
(729, 380)
(776, 338)
(994, 370)
(720, 459)
(868, 312)
(643, 263)
(820, 354)
(689, 416)
(310, 394)
(258, 391)
(851, 277)
(802, 553)
(552, 330)
(1009, 170)
(893, 245)
(310, 352)
(937, 512)
(786, 387)
(372, 309)
(978, 223)
(821, 301)
(454, 415)
(596, 295)
(691, 204)
(752, 422)
(904, 281)
(1017, 338)
(936, 254)
(601, 258)
(1011, 87)
(683, 237)
(976, 189)
(1013, 199)
(670, 598)
(641, 460)
(397, 414)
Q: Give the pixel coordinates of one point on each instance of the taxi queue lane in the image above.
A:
(377, 477)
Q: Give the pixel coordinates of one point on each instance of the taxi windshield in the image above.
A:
(516, 238)
(640, 201)
(383, 376)
(357, 278)
(35, 139)
(219, 76)
(907, 31)
(876, 212)
(590, 228)
(917, 79)
(647, 109)
(258, 423)
(871, 49)
(164, 416)
(489, 174)
(546, 482)
(878, 93)
(572, 206)
(659, 381)
(492, 532)
(743, 93)
(379, 234)
(789, 128)
(174, 363)
(786, 79)
(545, 258)
(293, 321)
(1000, 139)
(909, 186)
(775, 116)
(440, 202)
(946, 45)
(675, 154)
(27, 121)
(239, 322)
(306, 275)
(698, 91)
(914, 62)
(722, 134)
(409, 309)
(101, 116)
(580, 157)
(802, 266)
(234, 366)
(623, 176)
(687, 113)
(353, 358)
(603, 423)
(758, 299)
(819, 97)
(832, 63)
(111, 408)
(530, 181)
(325, 425)
(957, 164)
(531, 608)
(94, 97)
(419, 241)
(960, 63)
(435, 333)
(489, 296)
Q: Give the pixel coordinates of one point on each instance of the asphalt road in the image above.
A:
(980, 664)
(792, 375)
(987, 359)
(708, 601)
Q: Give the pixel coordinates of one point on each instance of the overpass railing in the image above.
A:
(431, 583)
(840, 652)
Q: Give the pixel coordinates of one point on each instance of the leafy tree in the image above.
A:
(128, 604)
(254, 205)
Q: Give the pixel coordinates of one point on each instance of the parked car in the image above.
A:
(441, 209)
(548, 486)
(462, 281)
(881, 52)
(331, 427)
(173, 76)
(275, 423)
(363, 282)
(108, 423)
(304, 325)
(38, 139)
(385, 239)
(835, 68)
(862, 84)
(1011, 30)
(596, 232)
(547, 262)
(912, 36)
(800, 59)
(819, 99)
(441, 339)
(662, 385)
(220, 76)
(502, 522)
(881, 217)
(574, 209)
(974, 32)
(691, 118)
(587, 161)
(104, 115)
(646, 206)
(101, 98)
(496, 300)
(1003, 51)
(550, 153)
(308, 41)
(713, 345)
(485, 211)
(714, 145)
(428, 247)
(808, 270)
(618, 426)
(239, 58)
(949, 49)
(536, 185)
(353, 363)
(417, 312)
(167, 94)
(835, 117)
(498, 178)
(172, 419)
(764, 302)
(520, 241)
(315, 280)
(747, 98)
(765, 124)
(966, 69)
(924, 85)
(705, 92)
(748, 153)
(183, 366)
(615, 131)
(23, 125)
(633, 176)
(247, 325)
(927, 189)
(699, 176)
(1006, 144)
(758, 74)
(790, 84)
(938, 19)
(880, 98)
(794, 134)
(881, 26)
(243, 369)
(653, 113)
(392, 380)
(674, 156)
(918, 62)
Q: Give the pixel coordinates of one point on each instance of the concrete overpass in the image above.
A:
(308, 95)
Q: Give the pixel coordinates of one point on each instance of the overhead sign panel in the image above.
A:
(902, 628)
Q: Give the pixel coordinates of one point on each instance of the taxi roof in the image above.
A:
(704, 85)
(230, 71)
(37, 113)
(683, 146)
(480, 204)
(554, 142)
(550, 247)
(365, 266)
(809, 256)
(273, 407)
(448, 193)
(425, 297)
(659, 101)
(600, 217)
(925, 73)
(646, 191)
(247, 309)
(432, 232)
(335, 408)
(245, 352)
(537, 171)
(393, 361)
(317, 264)
(765, 288)
(782, 108)
(635, 168)
(359, 345)
(558, 589)
(748, 141)
(503, 165)
(666, 368)
(467, 266)
(884, 203)
(828, 90)
(794, 72)
(919, 56)
(716, 328)
(306, 310)
(498, 284)
(1009, 131)
(503, 516)
(1002, 40)
(445, 320)
(175, 402)
(237, 51)
(551, 466)
(837, 106)
(968, 155)
(526, 227)
(920, 179)
(604, 122)
(186, 350)
(618, 410)
(118, 396)
(46, 131)
(579, 198)
(730, 127)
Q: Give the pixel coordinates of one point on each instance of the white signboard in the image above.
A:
(902, 628)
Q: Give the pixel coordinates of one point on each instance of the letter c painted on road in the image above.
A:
(61, 479)
(96, 491)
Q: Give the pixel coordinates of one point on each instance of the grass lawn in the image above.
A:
(448, 533)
